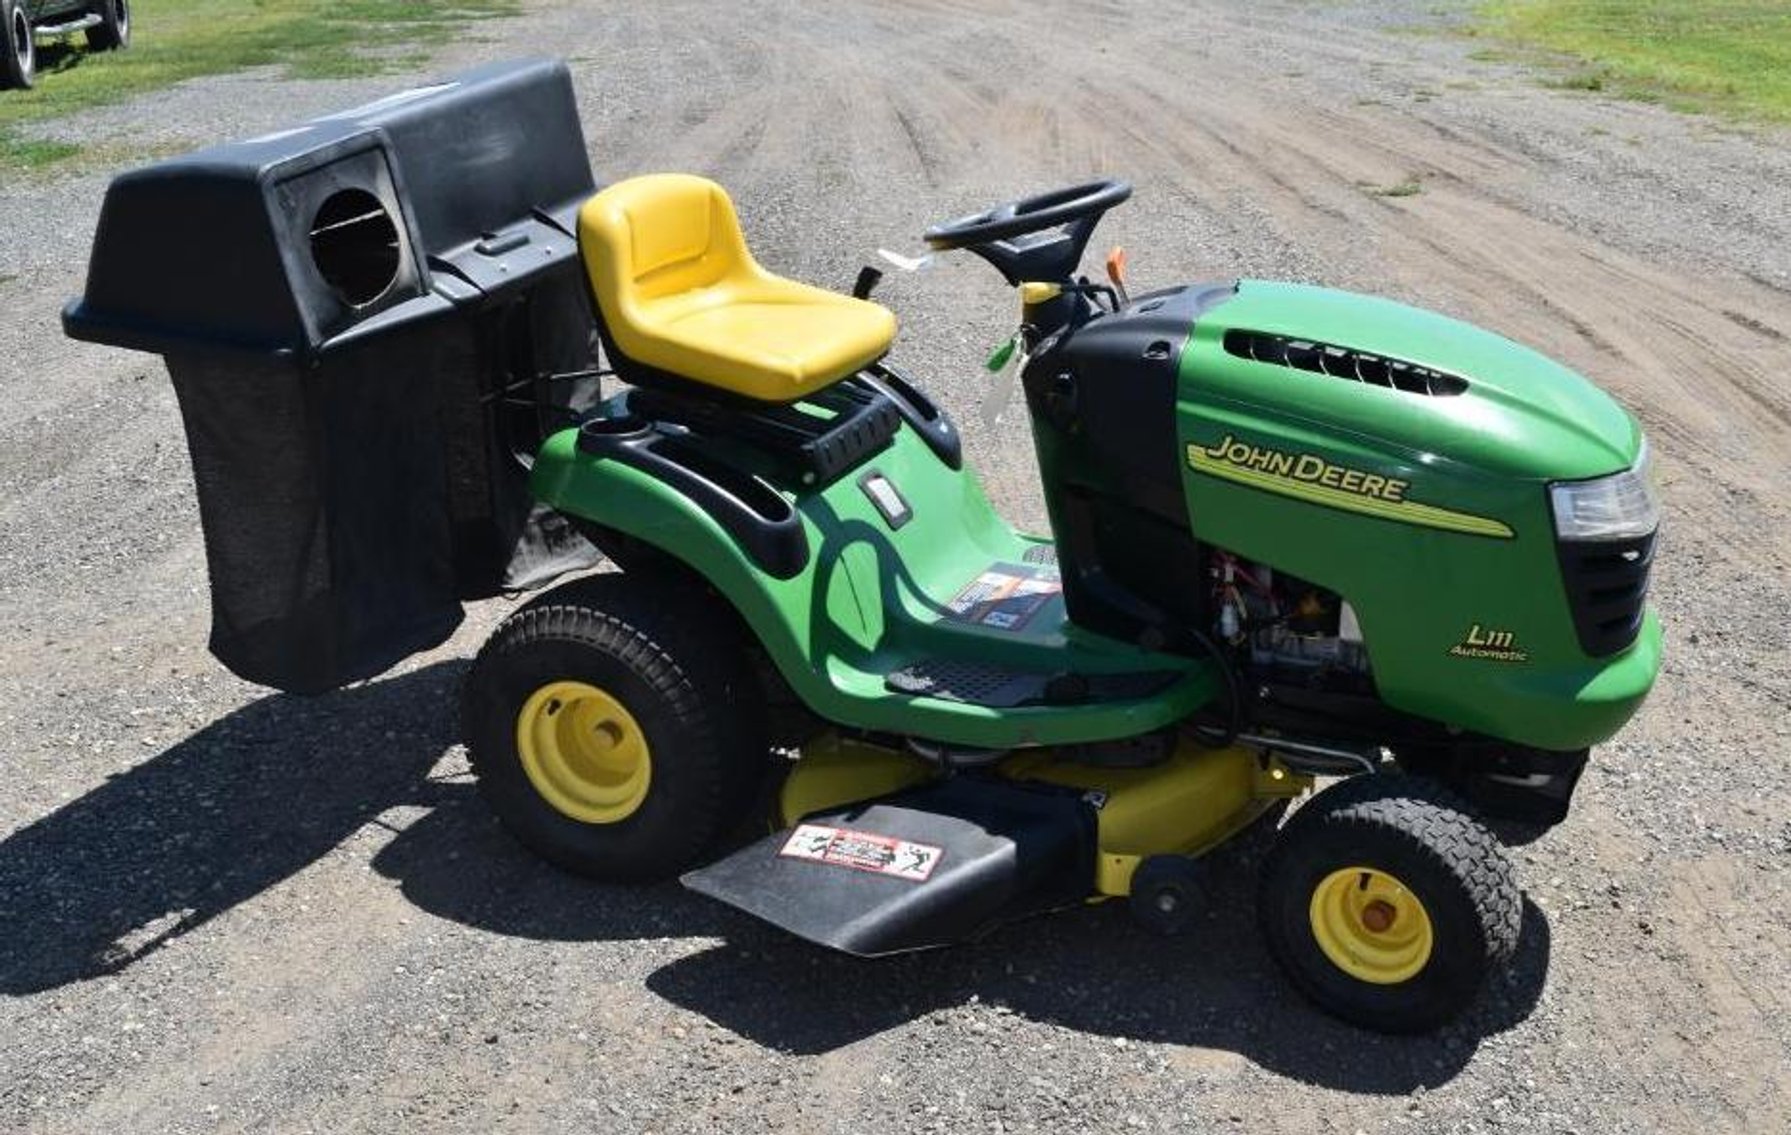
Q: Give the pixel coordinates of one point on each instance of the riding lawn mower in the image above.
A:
(1296, 535)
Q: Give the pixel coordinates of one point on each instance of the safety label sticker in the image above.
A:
(863, 851)
(1005, 597)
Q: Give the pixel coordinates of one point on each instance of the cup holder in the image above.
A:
(619, 428)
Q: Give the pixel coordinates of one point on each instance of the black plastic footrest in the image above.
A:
(973, 683)
(1000, 687)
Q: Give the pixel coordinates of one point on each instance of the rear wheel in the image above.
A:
(1388, 905)
(18, 50)
(615, 727)
(114, 29)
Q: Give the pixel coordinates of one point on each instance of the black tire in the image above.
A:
(18, 50)
(677, 665)
(113, 32)
(1168, 895)
(1405, 828)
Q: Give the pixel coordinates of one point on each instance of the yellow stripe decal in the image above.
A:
(1404, 511)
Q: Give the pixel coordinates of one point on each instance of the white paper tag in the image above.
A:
(907, 263)
(1000, 397)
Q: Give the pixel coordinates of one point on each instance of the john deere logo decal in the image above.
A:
(1493, 646)
(1311, 478)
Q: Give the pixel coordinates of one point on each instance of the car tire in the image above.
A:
(18, 60)
(113, 32)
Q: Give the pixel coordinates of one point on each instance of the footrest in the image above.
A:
(999, 687)
(928, 867)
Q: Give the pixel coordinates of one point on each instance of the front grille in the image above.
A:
(1607, 587)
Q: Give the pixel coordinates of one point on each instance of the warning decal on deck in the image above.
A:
(863, 851)
(1005, 597)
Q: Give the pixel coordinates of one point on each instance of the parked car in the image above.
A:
(107, 24)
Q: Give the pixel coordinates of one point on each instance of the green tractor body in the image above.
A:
(1427, 511)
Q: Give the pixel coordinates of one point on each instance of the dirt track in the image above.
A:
(225, 909)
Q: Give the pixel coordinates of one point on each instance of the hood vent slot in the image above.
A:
(1342, 362)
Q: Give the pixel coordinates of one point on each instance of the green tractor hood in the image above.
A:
(1400, 460)
(1493, 405)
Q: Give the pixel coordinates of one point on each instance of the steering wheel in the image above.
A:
(1050, 210)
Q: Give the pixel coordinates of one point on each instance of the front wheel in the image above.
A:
(113, 32)
(615, 727)
(1388, 905)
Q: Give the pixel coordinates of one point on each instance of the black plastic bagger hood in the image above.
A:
(371, 319)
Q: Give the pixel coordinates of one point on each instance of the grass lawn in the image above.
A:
(1730, 57)
(173, 40)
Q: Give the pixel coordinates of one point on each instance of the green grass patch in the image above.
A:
(35, 153)
(1410, 187)
(174, 40)
(1730, 57)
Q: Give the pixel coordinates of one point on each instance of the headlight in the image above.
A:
(1622, 506)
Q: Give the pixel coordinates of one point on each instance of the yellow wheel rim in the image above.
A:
(584, 753)
(1370, 925)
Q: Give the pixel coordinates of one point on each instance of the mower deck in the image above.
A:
(882, 852)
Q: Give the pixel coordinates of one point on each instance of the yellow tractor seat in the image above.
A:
(680, 292)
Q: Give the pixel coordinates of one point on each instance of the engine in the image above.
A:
(1283, 629)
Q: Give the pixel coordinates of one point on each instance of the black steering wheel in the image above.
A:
(1059, 207)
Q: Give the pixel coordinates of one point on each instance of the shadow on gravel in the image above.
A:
(232, 810)
(458, 863)
(257, 796)
(1091, 970)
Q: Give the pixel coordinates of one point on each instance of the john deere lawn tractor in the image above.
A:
(1295, 534)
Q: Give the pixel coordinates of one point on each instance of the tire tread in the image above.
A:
(1431, 824)
(692, 664)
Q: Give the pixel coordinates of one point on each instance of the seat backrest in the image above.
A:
(658, 235)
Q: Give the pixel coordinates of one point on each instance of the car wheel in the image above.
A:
(114, 29)
(18, 62)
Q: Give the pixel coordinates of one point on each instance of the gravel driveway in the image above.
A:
(225, 909)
